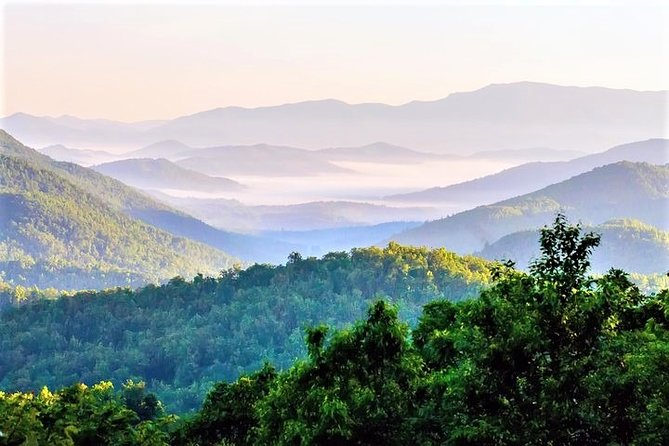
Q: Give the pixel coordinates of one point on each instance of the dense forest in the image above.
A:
(55, 233)
(551, 356)
(68, 227)
(183, 336)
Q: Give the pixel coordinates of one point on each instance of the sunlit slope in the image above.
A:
(621, 190)
(55, 233)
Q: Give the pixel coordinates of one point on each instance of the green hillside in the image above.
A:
(53, 233)
(137, 205)
(630, 245)
(549, 357)
(181, 337)
(621, 190)
(113, 192)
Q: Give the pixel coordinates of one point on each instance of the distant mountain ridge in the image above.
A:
(314, 215)
(160, 173)
(169, 149)
(134, 204)
(82, 157)
(275, 161)
(620, 190)
(498, 116)
(378, 152)
(531, 176)
(630, 245)
(258, 160)
(531, 154)
(318, 242)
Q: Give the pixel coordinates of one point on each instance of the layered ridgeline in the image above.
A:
(181, 337)
(630, 245)
(68, 227)
(125, 202)
(549, 357)
(300, 218)
(146, 173)
(53, 233)
(499, 116)
(79, 156)
(531, 176)
(260, 159)
(621, 190)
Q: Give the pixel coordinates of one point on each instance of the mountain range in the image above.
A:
(272, 161)
(78, 156)
(169, 149)
(38, 188)
(56, 233)
(626, 244)
(620, 190)
(500, 116)
(315, 215)
(68, 226)
(258, 160)
(145, 173)
(528, 177)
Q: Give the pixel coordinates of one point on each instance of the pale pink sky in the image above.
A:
(154, 61)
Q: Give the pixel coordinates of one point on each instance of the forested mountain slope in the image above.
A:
(630, 245)
(135, 204)
(181, 337)
(53, 233)
(116, 194)
(621, 190)
(549, 357)
(553, 356)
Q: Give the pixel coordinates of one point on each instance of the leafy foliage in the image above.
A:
(182, 337)
(228, 413)
(627, 244)
(553, 357)
(77, 415)
(550, 357)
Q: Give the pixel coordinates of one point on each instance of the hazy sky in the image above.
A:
(132, 62)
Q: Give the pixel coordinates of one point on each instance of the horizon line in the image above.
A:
(329, 99)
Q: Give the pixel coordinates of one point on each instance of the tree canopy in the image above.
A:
(553, 356)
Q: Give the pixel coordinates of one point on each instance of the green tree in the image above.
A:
(145, 405)
(229, 411)
(76, 415)
(554, 357)
(565, 256)
(356, 389)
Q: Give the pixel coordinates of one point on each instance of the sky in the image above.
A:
(139, 61)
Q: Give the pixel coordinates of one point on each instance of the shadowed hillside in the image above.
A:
(630, 245)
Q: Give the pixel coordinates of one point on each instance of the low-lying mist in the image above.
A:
(369, 182)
